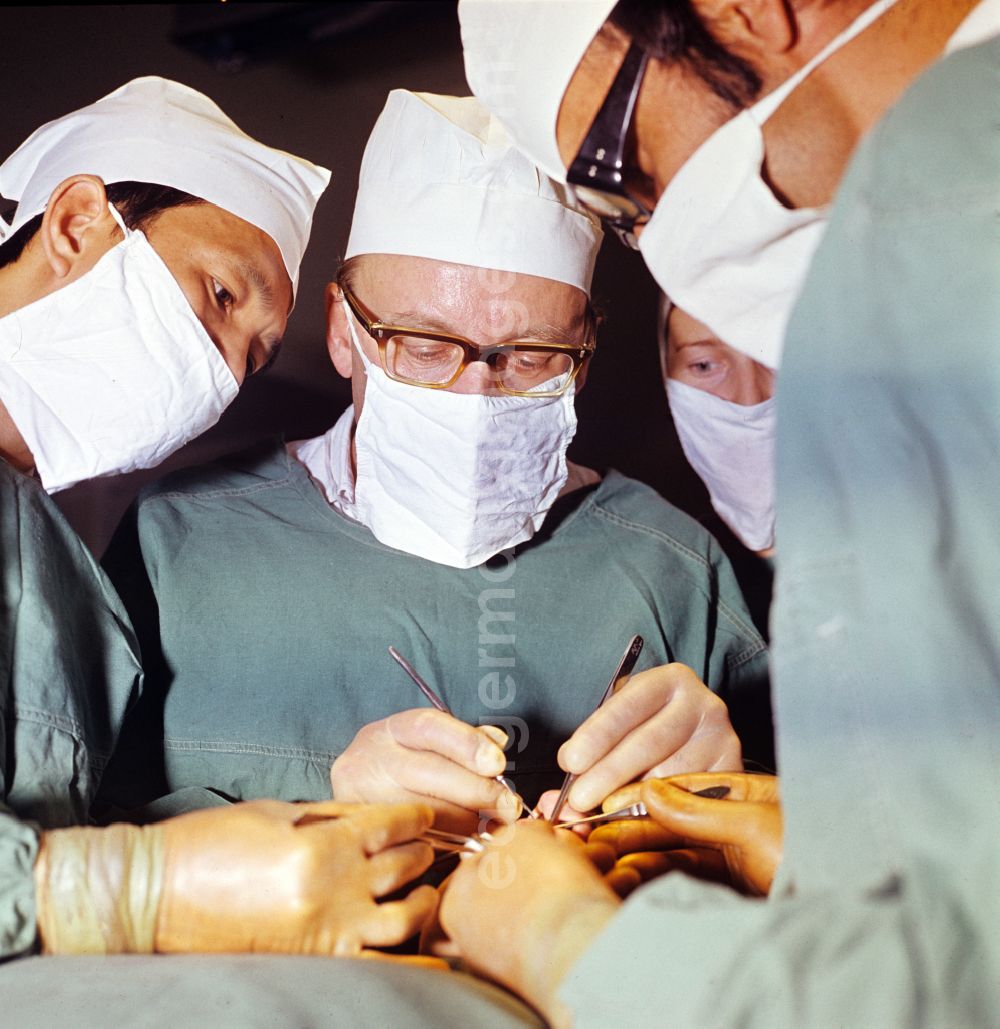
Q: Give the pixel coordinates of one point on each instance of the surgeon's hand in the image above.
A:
(428, 756)
(261, 876)
(662, 722)
(737, 838)
(525, 909)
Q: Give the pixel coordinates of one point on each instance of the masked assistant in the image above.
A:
(721, 245)
(730, 446)
(114, 371)
(454, 478)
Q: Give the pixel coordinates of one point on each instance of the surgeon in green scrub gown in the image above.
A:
(267, 593)
(886, 635)
(69, 656)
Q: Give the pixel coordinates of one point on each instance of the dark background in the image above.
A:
(311, 79)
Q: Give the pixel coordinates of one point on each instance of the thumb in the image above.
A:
(698, 819)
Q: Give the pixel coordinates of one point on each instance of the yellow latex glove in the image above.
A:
(261, 876)
(744, 828)
(632, 870)
(524, 909)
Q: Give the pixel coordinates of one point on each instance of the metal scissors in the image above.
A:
(618, 680)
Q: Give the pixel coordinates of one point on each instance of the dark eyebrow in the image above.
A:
(256, 278)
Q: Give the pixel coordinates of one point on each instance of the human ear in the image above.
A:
(77, 227)
(750, 27)
(338, 336)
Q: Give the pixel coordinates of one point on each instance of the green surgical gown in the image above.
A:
(886, 633)
(69, 667)
(266, 617)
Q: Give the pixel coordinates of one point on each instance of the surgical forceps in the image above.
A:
(621, 676)
(447, 842)
(637, 810)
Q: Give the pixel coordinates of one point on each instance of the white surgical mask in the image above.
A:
(113, 372)
(731, 447)
(456, 477)
(721, 245)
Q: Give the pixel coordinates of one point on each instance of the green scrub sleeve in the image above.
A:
(698, 954)
(18, 849)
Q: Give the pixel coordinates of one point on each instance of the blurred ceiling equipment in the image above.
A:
(233, 35)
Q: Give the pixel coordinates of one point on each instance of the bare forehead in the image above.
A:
(463, 299)
(587, 89)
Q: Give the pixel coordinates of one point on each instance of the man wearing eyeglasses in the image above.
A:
(709, 136)
(441, 517)
(886, 625)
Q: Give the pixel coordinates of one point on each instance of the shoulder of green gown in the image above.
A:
(638, 509)
(16, 484)
(262, 466)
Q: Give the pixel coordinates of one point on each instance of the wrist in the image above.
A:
(561, 932)
(98, 890)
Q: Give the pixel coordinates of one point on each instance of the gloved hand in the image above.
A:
(631, 871)
(261, 876)
(744, 827)
(662, 722)
(524, 909)
(428, 756)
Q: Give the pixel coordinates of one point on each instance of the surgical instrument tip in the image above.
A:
(442, 706)
(618, 680)
(637, 810)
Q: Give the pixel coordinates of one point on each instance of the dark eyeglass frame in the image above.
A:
(382, 332)
(599, 164)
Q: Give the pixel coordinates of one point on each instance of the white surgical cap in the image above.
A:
(519, 58)
(158, 131)
(441, 179)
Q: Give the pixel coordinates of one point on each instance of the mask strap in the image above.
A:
(116, 214)
(763, 109)
(354, 334)
(6, 226)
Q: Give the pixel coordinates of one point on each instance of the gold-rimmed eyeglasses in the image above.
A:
(435, 360)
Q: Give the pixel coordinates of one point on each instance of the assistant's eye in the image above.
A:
(223, 297)
(703, 367)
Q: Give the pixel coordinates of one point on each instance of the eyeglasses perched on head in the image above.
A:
(596, 174)
(435, 360)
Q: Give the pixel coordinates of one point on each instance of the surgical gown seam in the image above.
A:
(192, 496)
(54, 721)
(743, 627)
(245, 747)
